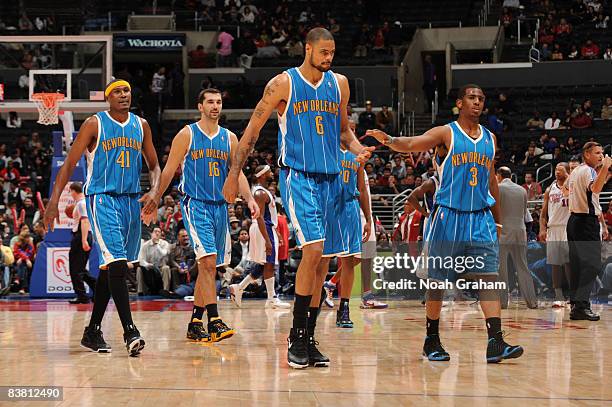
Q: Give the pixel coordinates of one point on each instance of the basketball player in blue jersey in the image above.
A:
(464, 219)
(310, 101)
(203, 150)
(355, 196)
(114, 142)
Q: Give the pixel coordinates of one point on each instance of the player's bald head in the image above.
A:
(318, 34)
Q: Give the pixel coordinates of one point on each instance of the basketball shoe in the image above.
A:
(343, 318)
(134, 343)
(433, 350)
(498, 349)
(329, 288)
(196, 331)
(276, 303)
(218, 330)
(368, 302)
(94, 341)
(315, 357)
(297, 353)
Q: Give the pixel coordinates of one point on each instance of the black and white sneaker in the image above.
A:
(94, 341)
(297, 354)
(498, 349)
(315, 357)
(134, 343)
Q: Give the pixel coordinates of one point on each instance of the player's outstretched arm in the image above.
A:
(87, 134)
(364, 203)
(275, 92)
(428, 140)
(347, 137)
(150, 156)
(418, 193)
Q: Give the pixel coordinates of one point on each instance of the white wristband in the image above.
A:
(499, 225)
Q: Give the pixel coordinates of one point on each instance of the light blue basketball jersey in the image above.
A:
(348, 174)
(206, 165)
(115, 164)
(309, 129)
(464, 173)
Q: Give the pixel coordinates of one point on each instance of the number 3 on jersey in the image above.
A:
(319, 125)
(474, 181)
(124, 159)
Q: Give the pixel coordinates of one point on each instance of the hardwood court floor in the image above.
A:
(377, 362)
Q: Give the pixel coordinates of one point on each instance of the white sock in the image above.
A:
(245, 282)
(559, 294)
(270, 287)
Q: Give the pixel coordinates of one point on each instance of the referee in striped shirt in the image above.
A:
(583, 227)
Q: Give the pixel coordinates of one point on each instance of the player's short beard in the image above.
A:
(320, 68)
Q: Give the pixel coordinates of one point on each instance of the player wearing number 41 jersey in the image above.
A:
(465, 222)
(114, 142)
(203, 150)
(310, 101)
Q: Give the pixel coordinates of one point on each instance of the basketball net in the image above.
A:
(48, 107)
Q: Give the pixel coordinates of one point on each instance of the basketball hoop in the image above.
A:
(48, 106)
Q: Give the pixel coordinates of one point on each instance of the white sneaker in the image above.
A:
(329, 294)
(276, 303)
(236, 295)
(558, 304)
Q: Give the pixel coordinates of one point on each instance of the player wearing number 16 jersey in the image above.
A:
(203, 150)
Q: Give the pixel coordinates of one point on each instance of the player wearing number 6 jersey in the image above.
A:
(311, 104)
(203, 150)
(464, 219)
(114, 142)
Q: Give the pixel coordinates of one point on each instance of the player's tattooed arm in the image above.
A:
(86, 137)
(276, 91)
(347, 136)
(150, 156)
(434, 137)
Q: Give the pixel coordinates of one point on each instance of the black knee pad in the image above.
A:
(118, 269)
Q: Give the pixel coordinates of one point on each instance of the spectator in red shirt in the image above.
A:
(564, 28)
(23, 251)
(533, 188)
(197, 57)
(581, 120)
(590, 50)
(383, 181)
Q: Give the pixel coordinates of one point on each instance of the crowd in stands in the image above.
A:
(566, 30)
(24, 176)
(269, 33)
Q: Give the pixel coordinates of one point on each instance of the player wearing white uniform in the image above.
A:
(553, 230)
(263, 246)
